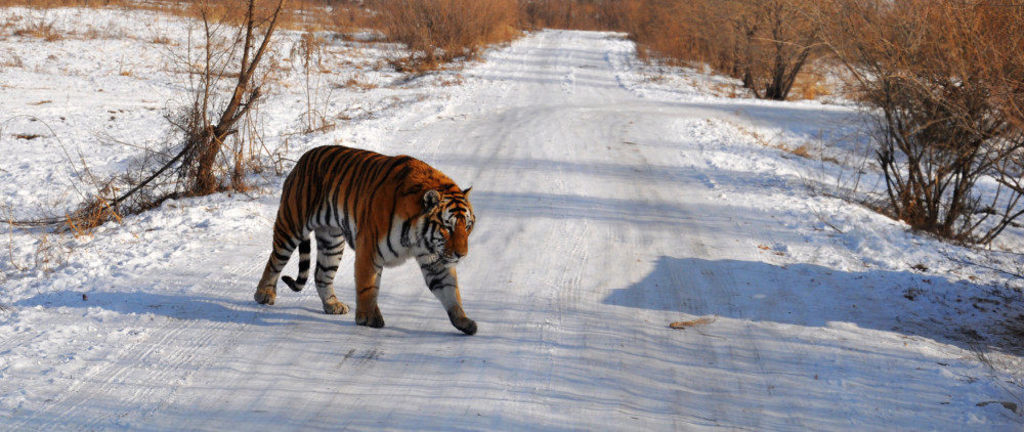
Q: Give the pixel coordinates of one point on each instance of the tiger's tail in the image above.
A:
(300, 281)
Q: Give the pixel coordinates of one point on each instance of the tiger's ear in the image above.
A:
(465, 192)
(430, 200)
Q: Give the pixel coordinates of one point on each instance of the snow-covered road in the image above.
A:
(604, 212)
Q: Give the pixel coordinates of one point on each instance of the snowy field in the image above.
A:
(612, 200)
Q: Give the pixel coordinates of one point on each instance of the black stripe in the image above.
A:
(406, 226)
(440, 273)
(436, 284)
(326, 244)
(321, 268)
(391, 225)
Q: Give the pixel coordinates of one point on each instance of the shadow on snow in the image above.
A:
(809, 295)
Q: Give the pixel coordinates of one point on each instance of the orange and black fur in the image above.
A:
(386, 208)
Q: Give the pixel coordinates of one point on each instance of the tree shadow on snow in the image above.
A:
(960, 313)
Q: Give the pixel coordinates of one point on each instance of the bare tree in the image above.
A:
(781, 39)
(205, 138)
(205, 125)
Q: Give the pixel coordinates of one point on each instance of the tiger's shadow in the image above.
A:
(183, 307)
(212, 309)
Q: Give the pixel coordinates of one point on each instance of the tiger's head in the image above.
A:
(449, 221)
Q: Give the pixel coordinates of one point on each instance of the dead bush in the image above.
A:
(944, 76)
(41, 29)
(205, 153)
(309, 53)
(51, 252)
(438, 31)
(764, 43)
(213, 117)
(576, 14)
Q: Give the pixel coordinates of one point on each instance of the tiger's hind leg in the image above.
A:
(329, 247)
(300, 281)
(266, 290)
(287, 236)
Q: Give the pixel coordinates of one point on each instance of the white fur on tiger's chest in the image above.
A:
(400, 244)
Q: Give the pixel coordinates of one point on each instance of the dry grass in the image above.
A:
(811, 84)
(356, 84)
(40, 29)
(51, 252)
(90, 216)
(801, 150)
(333, 15)
(12, 60)
(577, 14)
(438, 31)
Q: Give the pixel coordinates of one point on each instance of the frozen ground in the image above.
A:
(608, 206)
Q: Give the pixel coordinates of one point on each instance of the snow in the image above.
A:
(608, 206)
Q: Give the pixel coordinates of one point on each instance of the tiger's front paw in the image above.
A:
(265, 296)
(335, 307)
(465, 325)
(370, 319)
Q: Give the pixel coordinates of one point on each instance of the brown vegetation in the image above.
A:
(344, 15)
(438, 31)
(39, 29)
(764, 43)
(205, 161)
(577, 14)
(945, 76)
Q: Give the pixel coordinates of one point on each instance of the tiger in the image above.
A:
(387, 209)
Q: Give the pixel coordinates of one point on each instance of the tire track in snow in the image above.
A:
(220, 337)
(153, 369)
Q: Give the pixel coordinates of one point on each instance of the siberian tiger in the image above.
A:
(386, 208)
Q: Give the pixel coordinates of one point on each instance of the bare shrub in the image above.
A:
(764, 43)
(204, 159)
(11, 60)
(438, 31)
(51, 252)
(309, 52)
(779, 38)
(206, 132)
(944, 76)
(347, 16)
(576, 14)
(41, 29)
